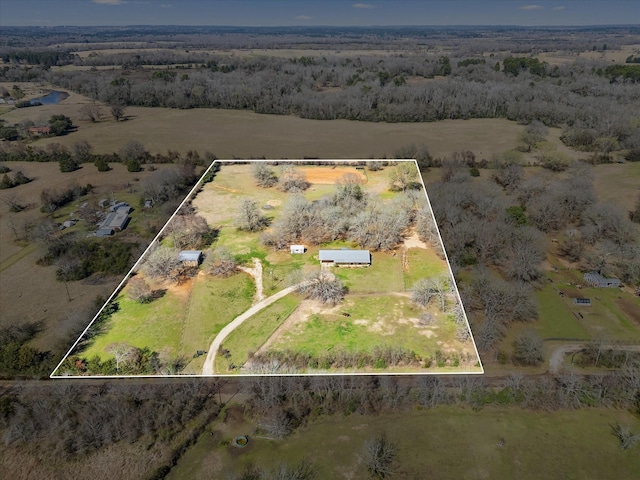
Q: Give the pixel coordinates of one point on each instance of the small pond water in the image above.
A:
(52, 98)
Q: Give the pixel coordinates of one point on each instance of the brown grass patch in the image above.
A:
(330, 175)
(630, 309)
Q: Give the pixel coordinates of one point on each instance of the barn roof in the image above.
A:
(189, 255)
(345, 256)
(116, 220)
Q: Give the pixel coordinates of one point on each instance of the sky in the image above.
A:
(318, 12)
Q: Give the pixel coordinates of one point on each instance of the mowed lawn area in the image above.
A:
(254, 332)
(373, 321)
(440, 443)
(384, 275)
(184, 320)
(423, 263)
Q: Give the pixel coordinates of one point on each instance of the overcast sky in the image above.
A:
(317, 12)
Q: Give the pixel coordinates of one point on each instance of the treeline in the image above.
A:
(380, 357)
(71, 422)
(396, 88)
(17, 357)
(501, 235)
(284, 403)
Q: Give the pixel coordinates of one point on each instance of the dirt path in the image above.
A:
(209, 363)
(413, 241)
(558, 354)
(256, 273)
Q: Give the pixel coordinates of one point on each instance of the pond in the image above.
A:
(52, 98)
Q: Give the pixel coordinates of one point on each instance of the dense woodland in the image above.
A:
(495, 229)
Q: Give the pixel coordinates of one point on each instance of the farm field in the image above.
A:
(40, 297)
(497, 443)
(377, 316)
(275, 136)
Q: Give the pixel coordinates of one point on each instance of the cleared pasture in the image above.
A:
(498, 442)
(254, 332)
(184, 320)
(244, 134)
(372, 321)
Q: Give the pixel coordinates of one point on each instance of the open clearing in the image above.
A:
(329, 176)
(440, 443)
(30, 292)
(226, 133)
(377, 312)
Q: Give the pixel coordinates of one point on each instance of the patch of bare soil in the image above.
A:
(631, 309)
(413, 241)
(256, 273)
(180, 289)
(329, 175)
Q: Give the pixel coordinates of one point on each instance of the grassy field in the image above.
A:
(373, 321)
(252, 334)
(156, 325)
(185, 319)
(161, 129)
(29, 292)
(384, 275)
(213, 303)
(441, 443)
(423, 264)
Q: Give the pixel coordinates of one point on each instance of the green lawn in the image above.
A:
(384, 275)
(441, 443)
(252, 334)
(214, 302)
(555, 318)
(374, 321)
(423, 264)
(180, 322)
(157, 325)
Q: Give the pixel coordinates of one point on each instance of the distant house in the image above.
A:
(190, 258)
(40, 130)
(583, 302)
(296, 248)
(347, 258)
(116, 220)
(104, 232)
(596, 280)
(115, 206)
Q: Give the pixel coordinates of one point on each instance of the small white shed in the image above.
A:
(297, 248)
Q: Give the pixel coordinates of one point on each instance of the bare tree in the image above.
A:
(188, 231)
(91, 112)
(264, 176)
(379, 456)
(434, 287)
(121, 351)
(139, 290)
(221, 263)
(528, 348)
(163, 263)
(321, 286)
(292, 180)
(117, 111)
(82, 151)
(403, 176)
(249, 217)
(626, 437)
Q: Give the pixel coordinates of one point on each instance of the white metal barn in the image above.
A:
(296, 248)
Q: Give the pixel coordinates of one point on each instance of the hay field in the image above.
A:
(441, 443)
(29, 292)
(245, 134)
